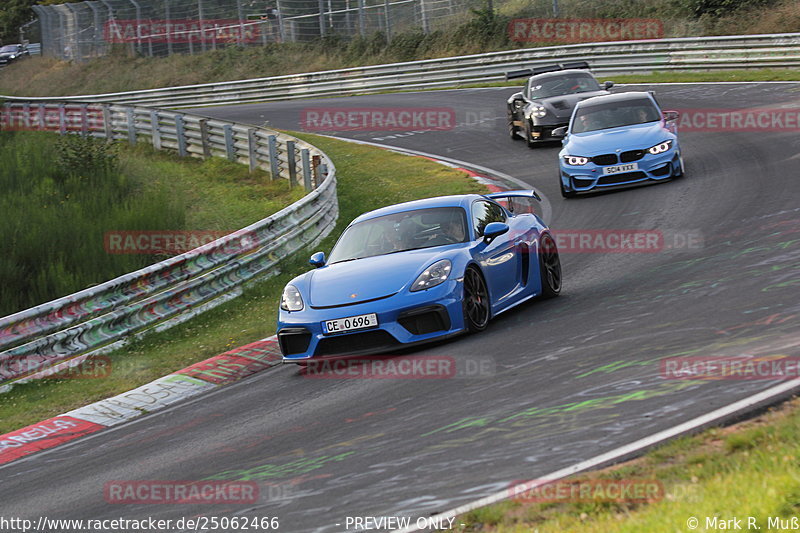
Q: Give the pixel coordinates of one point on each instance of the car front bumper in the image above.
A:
(590, 177)
(404, 319)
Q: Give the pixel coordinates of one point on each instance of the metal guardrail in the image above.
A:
(103, 317)
(692, 53)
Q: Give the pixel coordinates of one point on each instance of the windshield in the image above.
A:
(399, 232)
(614, 114)
(8, 48)
(558, 85)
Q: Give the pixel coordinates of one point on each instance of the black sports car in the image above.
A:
(10, 52)
(548, 98)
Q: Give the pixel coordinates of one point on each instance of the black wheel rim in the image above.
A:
(551, 263)
(476, 299)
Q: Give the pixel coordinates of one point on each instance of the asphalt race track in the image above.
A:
(547, 385)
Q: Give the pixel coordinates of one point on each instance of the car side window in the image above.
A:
(483, 213)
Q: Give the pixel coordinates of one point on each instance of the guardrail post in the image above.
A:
(230, 147)
(292, 163)
(204, 140)
(84, 120)
(42, 117)
(274, 164)
(108, 130)
(155, 129)
(131, 125)
(306, 159)
(62, 119)
(26, 109)
(316, 161)
(180, 132)
(252, 146)
(7, 115)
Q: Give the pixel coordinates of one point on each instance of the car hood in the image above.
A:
(638, 136)
(561, 106)
(371, 278)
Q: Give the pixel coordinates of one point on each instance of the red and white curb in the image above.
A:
(196, 379)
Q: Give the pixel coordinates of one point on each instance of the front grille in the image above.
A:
(353, 343)
(631, 155)
(661, 171)
(621, 178)
(582, 182)
(605, 159)
(425, 320)
(294, 340)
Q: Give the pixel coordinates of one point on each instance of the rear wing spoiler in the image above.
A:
(524, 73)
(522, 193)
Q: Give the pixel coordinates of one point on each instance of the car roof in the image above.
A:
(456, 200)
(616, 97)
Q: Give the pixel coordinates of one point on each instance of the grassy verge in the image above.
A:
(746, 470)
(63, 194)
(368, 178)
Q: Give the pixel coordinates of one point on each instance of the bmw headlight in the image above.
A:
(434, 275)
(575, 160)
(660, 148)
(291, 299)
(538, 111)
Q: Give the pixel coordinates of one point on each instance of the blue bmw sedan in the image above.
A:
(617, 141)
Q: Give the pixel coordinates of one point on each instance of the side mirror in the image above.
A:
(494, 230)
(560, 132)
(317, 260)
(608, 84)
(669, 116)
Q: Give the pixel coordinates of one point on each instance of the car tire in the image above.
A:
(475, 303)
(564, 192)
(528, 141)
(680, 170)
(513, 131)
(549, 266)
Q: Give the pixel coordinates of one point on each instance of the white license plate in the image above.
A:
(350, 323)
(617, 169)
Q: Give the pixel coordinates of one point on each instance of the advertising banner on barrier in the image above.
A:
(583, 30)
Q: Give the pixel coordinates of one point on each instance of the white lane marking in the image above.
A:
(620, 452)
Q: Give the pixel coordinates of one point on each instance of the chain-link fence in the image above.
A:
(80, 31)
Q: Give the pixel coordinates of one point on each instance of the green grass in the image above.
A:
(367, 178)
(62, 194)
(749, 469)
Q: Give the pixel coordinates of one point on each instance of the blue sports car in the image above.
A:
(618, 140)
(417, 272)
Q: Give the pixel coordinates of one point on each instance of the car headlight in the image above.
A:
(660, 148)
(12, 57)
(434, 275)
(575, 160)
(538, 111)
(291, 299)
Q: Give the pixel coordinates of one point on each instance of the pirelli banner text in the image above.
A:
(181, 31)
(583, 30)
